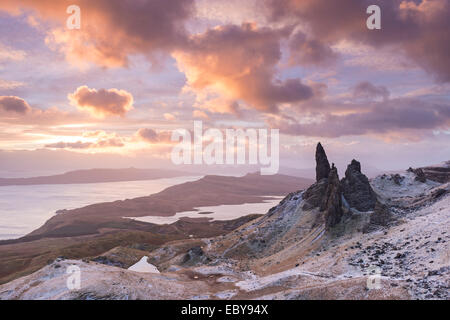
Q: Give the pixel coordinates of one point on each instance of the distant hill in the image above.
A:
(95, 176)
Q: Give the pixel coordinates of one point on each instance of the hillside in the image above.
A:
(92, 230)
(349, 238)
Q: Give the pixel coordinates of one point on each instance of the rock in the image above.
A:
(379, 218)
(397, 178)
(313, 196)
(332, 204)
(193, 256)
(322, 164)
(356, 188)
(438, 174)
(420, 175)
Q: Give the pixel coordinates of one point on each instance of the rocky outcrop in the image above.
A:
(322, 164)
(439, 174)
(356, 188)
(313, 196)
(328, 193)
(194, 256)
(332, 203)
(420, 175)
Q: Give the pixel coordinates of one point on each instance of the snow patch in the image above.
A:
(143, 266)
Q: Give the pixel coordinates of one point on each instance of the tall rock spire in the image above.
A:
(332, 202)
(322, 164)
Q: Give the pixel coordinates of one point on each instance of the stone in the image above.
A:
(356, 188)
(420, 175)
(332, 203)
(380, 217)
(313, 196)
(322, 164)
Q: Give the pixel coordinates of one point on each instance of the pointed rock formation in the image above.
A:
(332, 203)
(356, 188)
(322, 164)
(313, 196)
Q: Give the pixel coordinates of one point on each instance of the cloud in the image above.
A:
(305, 51)
(9, 54)
(151, 136)
(392, 117)
(103, 142)
(69, 145)
(169, 116)
(200, 114)
(10, 84)
(103, 102)
(239, 63)
(14, 104)
(111, 30)
(367, 90)
(418, 29)
(16, 111)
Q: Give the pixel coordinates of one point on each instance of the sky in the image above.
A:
(110, 93)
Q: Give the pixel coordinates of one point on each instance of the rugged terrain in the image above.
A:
(95, 229)
(347, 238)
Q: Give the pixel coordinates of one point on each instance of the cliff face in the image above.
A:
(332, 202)
(356, 188)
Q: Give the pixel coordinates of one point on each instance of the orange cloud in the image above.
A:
(239, 63)
(169, 116)
(111, 30)
(103, 102)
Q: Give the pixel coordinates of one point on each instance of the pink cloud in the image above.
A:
(239, 63)
(103, 102)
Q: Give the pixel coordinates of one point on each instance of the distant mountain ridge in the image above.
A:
(96, 176)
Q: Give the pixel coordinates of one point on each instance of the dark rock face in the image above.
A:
(379, 218)
(328, 192)
(356, 188)
(332, 202)
(313, 196)
(322, 164)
